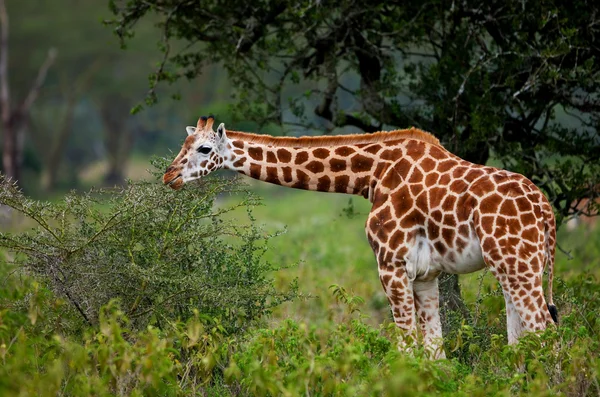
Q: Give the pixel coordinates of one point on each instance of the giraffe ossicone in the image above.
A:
(432, 212)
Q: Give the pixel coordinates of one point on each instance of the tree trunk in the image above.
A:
(118, 140)
(451, 301)
(13, 120)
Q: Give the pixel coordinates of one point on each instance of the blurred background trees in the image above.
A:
(79, 131)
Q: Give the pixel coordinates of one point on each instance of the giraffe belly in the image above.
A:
(467, 260)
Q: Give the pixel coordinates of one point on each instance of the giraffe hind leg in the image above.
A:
(526, 295)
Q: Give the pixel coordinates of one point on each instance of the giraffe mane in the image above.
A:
(335, 140)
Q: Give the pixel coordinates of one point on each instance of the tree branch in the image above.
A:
(4, 89)
(39, 81)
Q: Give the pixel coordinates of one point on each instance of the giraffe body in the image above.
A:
(432, 212)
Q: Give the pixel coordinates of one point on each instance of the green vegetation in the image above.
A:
(338, 341)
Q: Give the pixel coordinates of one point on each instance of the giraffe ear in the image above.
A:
(190, 130)
(221, 131)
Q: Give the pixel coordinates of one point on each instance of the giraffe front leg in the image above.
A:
(399, 291)
(427, 304)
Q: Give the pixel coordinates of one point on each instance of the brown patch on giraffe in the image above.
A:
(487, 224)
(473, 174)
(373, 149)
(396, 239)
(440, 247)
(239, 152)
(416, 189)
(396, 175)
(255, 152)
(344, 151)
(523, 204)
(508, 208)
(526, 250)
(458, 172)
(287, 174)
(184, 161)
(323, 184)
(450, 220)
(301, 157)
(446, 165)
(412, 219)
(436, 195)
(415, 149)
(402, 201)
(437, 153)
(360, 163)
(314, 166)
(321, 153)
(427, 164)
(431, 178)
(445, 180)
(239, 163)
(341, 183)
(511, 189)
(238, 144)
(448, 235)
(284, 155)
(490, 204)
(416, 176)
(203, 164)
(458, 186)
(302, 180)
(433, 231)
(483, 187)
(391, 154)
(271, 158)
(380, 169)
(422, 202)
(361, 185)
(272, 175)
(463, 230)
(385, 279)
(448, 204)
(255, 171)
(488, 244)
(437, 216)
(337, 165)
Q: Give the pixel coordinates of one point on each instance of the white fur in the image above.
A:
(418, 258)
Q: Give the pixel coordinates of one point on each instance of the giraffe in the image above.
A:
(432, 212)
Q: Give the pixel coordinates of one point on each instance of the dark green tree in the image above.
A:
(512, 81)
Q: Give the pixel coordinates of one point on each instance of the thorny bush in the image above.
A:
(161, 254)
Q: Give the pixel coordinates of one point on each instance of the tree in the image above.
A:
(511, 81)
(14, 120)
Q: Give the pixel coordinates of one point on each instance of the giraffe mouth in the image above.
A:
(174, 183)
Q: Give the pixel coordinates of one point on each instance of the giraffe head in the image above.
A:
(203, 152)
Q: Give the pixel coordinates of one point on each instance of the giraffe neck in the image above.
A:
(338, 168)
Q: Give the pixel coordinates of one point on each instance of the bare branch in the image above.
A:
(39, 81)
(4, 90)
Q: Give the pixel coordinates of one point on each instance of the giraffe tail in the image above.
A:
(550, 235)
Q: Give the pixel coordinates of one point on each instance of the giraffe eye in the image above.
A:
(204, 149)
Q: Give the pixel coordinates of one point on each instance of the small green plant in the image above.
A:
(162, 254)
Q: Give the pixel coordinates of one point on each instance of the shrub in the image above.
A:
(162, 254)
